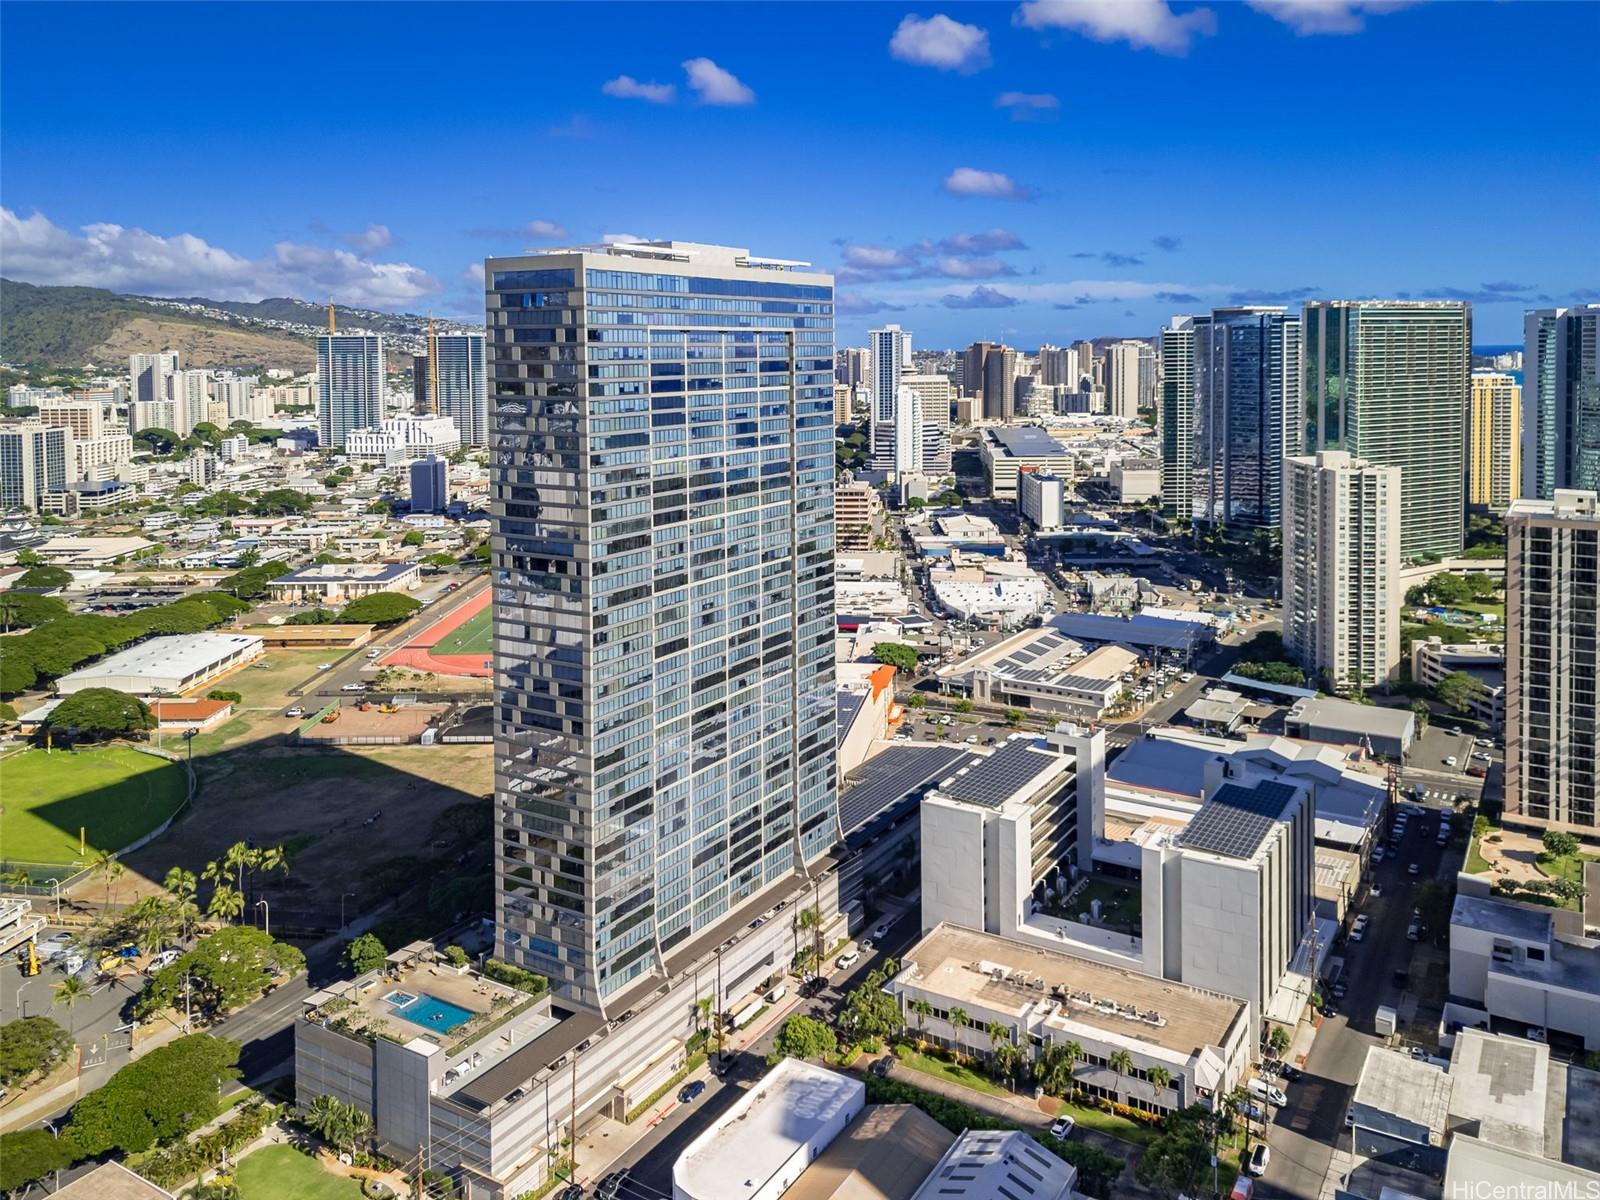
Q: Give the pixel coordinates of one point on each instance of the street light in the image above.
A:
(341, 909)
(266, 917)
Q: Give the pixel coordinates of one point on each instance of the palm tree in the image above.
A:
(239, 859)
(959, 1020)
(105, 866)
(68, 992)
(1121, 1062)
(1160, 1078)
(181, 885)
(702, 1011)
(226, 903)
(153, 919)
(10, 611)
(811, 920)
(923, 1011)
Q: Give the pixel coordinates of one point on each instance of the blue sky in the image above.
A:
(1035, 172)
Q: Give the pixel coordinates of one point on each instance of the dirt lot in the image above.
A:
(316, 800)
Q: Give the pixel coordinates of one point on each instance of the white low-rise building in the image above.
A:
(1508, 963)
(331, 582)
(399, 439)
(1042, 499)
(761, 1145)
(166, 666)
(986, 1163)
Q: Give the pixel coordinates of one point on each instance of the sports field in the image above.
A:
(473, 636)
(116, 794)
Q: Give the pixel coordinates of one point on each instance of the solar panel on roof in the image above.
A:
(1236, 820)
(890, 776)
(997, 778)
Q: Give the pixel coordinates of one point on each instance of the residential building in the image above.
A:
(165, 666)
(238, 396)
(1007, 450)
(399, 439)
(1387, 381)
(97, 457)
(86, 419)
(1088, 364)
(1041, 497)
(1561, 377)
(153, 414)
(234, 448)
(1058, 367)
(891, 355)
(1342, 536)
(936, 394)
(1494, 441)
(148, 375)
(858, 516)
(430, 484)
(190, 393)
(905, 442)
(1045, 998)
(1176, 418)
(1245, 416)
(1553, 662)
(970, 371)
(855, 366)
(1508, 962)
(349, 385)
(1122, 379)
(843, 396)
(665, 734)
(202, 466)
(459, 384)
(35, 459)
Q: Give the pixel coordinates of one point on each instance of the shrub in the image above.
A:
(513, 976)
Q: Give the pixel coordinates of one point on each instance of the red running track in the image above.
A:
(417, 654)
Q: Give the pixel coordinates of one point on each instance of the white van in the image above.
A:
(1262, 1090)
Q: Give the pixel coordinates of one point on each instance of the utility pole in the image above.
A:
(572, 1158)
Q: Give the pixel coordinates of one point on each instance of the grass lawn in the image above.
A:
(1566, 866)
(939, 1068)
(1476, 864)
(475, 635)
(283, 1173)
(116, 794)
(1119, 905)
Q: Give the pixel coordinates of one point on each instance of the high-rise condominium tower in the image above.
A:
(456, 369)
(1178, 342)
(1494, 446)
(663, 561)
(1122, 379)
(1058, 367)
(999, 383)
(147, 375)
(891, 354)
(1561, 386)
(1553, 661)
(1087, 363)
(1387, 381)
(349, 384)
(35, 460)
(936, 394)
(1341, 561)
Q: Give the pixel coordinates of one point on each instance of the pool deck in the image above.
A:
(369, 1009)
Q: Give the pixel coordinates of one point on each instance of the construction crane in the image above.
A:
(433, 370)
(331, 328)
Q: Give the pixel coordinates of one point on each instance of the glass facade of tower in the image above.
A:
(1561, 400)
(463, 385)
(664, 617)
(349, 384)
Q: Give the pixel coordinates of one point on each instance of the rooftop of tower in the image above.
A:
(700, 253)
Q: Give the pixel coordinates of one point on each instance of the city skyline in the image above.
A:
(1030, 198)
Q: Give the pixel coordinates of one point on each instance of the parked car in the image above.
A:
(294, 710)
(1413, 869)
(573, 1191)
(354, 687)
(1259, 1158)
(1262, 1090)
(848, 959)
(165, 959)
(1359, 929)
(691, 1091)
(53, 946)
(1478, 772)
(1062, 1127)
(1413, 932)
(1449, 760)
(611, 1185)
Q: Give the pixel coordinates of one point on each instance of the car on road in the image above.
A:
(573, 1191)
(294, 710)
(881, 1067)
(1413, 869)
(611, 1185)
(882, 931)
(1377, 854)
(1413, 932)
(1259, 1158)
(1358, 931)
(53, 946)
(1062, 1127)
(848, 959)
(354, 687)
(691, 1091)
(324, 666)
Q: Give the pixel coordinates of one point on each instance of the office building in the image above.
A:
(858, 516)
(1512, 962)
(86, 419)
(349, 385)
(970, 372)
(1041, 498)
(1176, 418)
(1007, 450)
(398, 439)
(855, 366)
(1561, 381)
(1494, 441)
(148, 375)
(35, 460)
(1341, 558)
(1244, 415)
(1386, 380)
(999, 1163)
(665, 736)
(1552, 668)
(936, 394)
(1121, 375)
(458, 384)
(891, 355)
(430, 485)
(1134, 480)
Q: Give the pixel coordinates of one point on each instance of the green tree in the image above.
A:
(69, 993)
(922, 1010)
(31, 1046)
(1559, 844)
(225, 694)
(44, 578)
(413, 538)
(870, 1012)
(801, 1036)
(1175, 1161)
(229, 969)
(380, 608)
(1121, 1062)
(1278, 1040)
(97, 713)
(959, 1020)
(1460, 691)
(29, 1155)
(897, 654)
(107, 867)
(365, 953)
(313, 616)
(917, 700)
(282, 502)
(1422, 712)
(963, 705)
(155, 1098)
(1160, 1078)
(1013, 717)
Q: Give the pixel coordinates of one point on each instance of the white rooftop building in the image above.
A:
(761, 1145)
(985, 1163)
(166, 665)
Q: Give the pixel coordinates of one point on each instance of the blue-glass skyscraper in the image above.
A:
(430, 485)
(662, 496)
(349, 384)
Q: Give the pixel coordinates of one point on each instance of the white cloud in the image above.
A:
(969, 181)
(1024, 105)
(1147, 24)
(715, 85)
(626, 87)
(1310, 17)
(473, 275)
(941, 42)
(370, 240)
(621, 239)
(545, 230)
(973, 268)
(37, 250)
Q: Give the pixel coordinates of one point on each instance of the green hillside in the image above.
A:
(60, 326)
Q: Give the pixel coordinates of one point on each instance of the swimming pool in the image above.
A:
(429, 1012)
